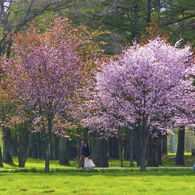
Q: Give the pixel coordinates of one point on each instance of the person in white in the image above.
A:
(88, 163)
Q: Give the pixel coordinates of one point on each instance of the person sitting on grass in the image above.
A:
(81, 160)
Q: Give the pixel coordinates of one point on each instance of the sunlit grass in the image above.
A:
(186, 154)
(89, 182)
(39, 163)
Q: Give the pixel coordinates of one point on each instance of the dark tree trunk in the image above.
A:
(180, 148)
(63, 151)
(51, 151)
(48, 141)
(40, 147)
(1, 159)
(126, 145)
(110, 147)
(34, 146)
(164, 144)
(115, 148)
(72, 152)
(158, 6)
(103, 153)
(152, 152)
(131, 148)
(15, 147)
(136, 19)
(69, 148)
(32, 149)
(47, 156)
(56, 153)
(137, 147)
(126, 149)
(159, 152)
(143, 160)
(149, 12)
(79, 147)
(24, 146)
(85, 134)
(7, 145)
(95, 149)
(43, 149)
(173, 142)
(75, 152)
(143, 136)
(120, 150)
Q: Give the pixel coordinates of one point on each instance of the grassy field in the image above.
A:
(33, 180)
(169, 182)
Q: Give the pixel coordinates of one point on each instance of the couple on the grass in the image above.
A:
(85, 159)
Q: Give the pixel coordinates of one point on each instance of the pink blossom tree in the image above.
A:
(47, 73)
(149, 85)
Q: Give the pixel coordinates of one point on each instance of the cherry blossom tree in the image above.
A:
(47, 72)
(149, 85)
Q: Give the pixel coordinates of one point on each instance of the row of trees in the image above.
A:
(49, 82)
(124, 19)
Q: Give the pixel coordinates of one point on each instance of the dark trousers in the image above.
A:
(81, 161)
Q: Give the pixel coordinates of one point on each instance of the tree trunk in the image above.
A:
(143, 160)
(15, 147)
(137, 147)
(173, 142)
(51, 150)
(32, 153)
(78, 146)
(126, 149)
(120, 150)
(39, 146)
(131, 149)
(180, 148)
(95, 149)
(7, 145)
(24, 146)
(159, 152)
(153, 151)
(143, 137)
(1, 159)
(56, 153)
(149, 12)
(47, 156)
(70, 149)
(158, 6)
(136, 18)
(48, 140)
(110, 147)
(103, 153)
(115, 151)
(164, 144)
(63, 151)
(85, 134)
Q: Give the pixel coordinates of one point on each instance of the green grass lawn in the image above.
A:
(33, 180)
(169, 182)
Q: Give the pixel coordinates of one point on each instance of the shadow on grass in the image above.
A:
(105, 172)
